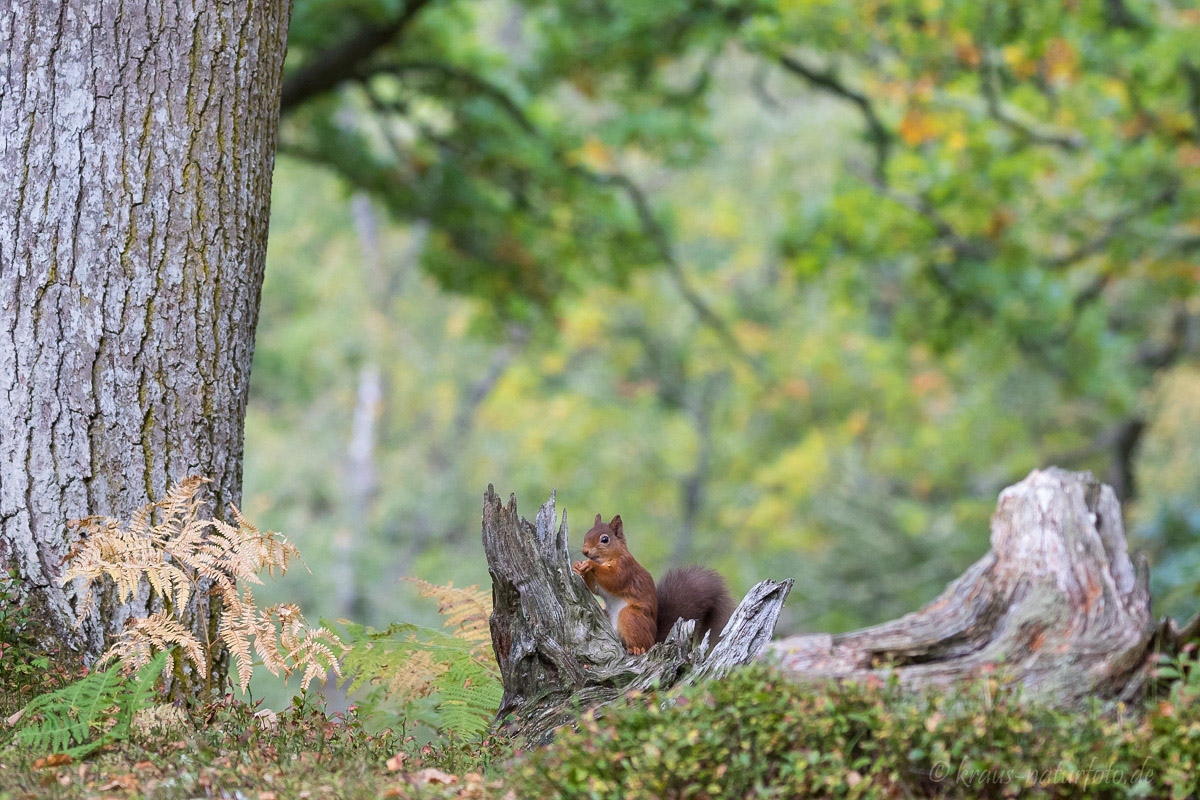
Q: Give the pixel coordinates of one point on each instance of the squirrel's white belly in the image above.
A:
(612, 604)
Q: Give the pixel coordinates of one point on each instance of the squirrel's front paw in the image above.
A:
(637, 651)
(582, 568)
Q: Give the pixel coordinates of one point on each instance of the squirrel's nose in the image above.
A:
(586, 553)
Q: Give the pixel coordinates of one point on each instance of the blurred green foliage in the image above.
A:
(795, 287)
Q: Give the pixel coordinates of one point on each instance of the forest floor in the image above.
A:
(192, 767)
(237, 753)
(752, 734)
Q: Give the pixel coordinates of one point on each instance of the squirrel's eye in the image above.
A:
(603, 540)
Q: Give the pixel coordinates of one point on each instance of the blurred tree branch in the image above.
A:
(324, 71)
(990, 82)
(1191, 75)
(666, 252)
(828, 80)
(651, 227)
(1114, 226)
(1118, 15)
(451, 73)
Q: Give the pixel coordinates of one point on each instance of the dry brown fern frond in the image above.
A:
(466, 609)
(301, 645)
(282, 639)
(143, 637)
(238, 624)
(174, 558)
(127, 556)
(259, 550)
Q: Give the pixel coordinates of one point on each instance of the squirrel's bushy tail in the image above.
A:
(693, 593)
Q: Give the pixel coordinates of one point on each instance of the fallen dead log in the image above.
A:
(1056, 604)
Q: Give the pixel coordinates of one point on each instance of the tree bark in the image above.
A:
(137, 142)
(554, 644)
(1056, 606)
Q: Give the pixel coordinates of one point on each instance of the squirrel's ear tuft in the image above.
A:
(617, 526)
(599, 519)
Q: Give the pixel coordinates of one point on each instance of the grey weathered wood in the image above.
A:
(557, 650)
(137, 142)
(1056, 605)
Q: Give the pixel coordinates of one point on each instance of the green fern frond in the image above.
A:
(404, 664)
(386, 657)
(469, 696)
(91, 712)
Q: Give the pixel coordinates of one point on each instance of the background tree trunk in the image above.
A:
(138, 142)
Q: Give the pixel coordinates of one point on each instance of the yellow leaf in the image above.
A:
(1018, 60)
(856, 423)
(965, 50)
(917, 127)
(1060, 61)
(595, 154)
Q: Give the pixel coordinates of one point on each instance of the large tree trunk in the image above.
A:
(137, 142)
(1056, 605)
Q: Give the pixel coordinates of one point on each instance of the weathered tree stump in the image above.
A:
(1056, 605)
(557, 650)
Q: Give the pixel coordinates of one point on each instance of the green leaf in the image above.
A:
(82, 717)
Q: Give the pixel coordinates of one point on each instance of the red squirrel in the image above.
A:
(641, 614)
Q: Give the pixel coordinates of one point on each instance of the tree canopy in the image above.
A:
(816, 278)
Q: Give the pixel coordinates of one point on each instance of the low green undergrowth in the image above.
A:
(233, 749)
(757, 735)
(91, 712)
(753, 734)
(444, 679)
(27, 667)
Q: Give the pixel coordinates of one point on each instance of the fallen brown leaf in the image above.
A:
(127, 782)
(56, 760)
(433, 775)
(396, 762)
(267, 719)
